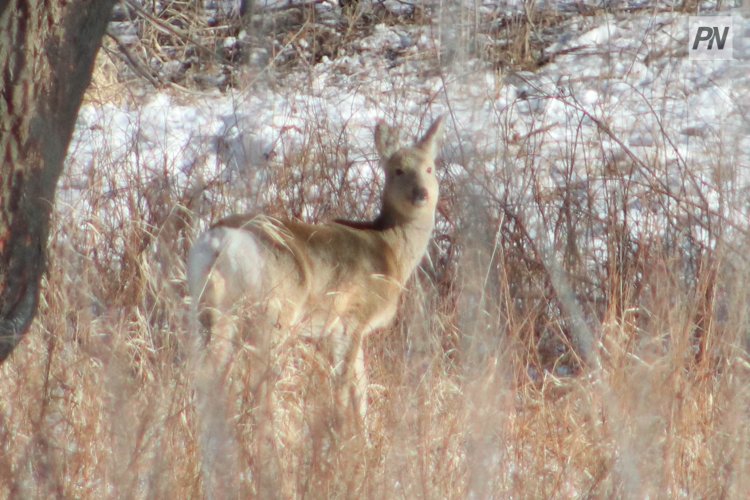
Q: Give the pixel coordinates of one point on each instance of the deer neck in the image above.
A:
(408, 238)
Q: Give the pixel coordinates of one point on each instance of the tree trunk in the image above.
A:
(47, 52)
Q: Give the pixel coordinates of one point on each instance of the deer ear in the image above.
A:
(386, 140)
(429, 141)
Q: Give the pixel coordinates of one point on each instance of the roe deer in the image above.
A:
(341, 278)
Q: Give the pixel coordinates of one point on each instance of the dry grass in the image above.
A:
(482, 389)
(474, 392)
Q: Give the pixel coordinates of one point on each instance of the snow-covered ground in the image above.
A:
(619, 90)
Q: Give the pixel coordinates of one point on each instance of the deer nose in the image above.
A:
(419, 195)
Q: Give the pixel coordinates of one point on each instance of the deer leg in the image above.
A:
(212, 350)
(349, 372)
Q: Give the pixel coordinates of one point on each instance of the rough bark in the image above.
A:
(47, 52)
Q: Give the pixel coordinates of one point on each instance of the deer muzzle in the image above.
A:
(419, 196)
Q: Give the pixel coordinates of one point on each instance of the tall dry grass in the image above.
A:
(477, 391)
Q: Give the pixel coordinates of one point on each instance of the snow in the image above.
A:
(629, 74)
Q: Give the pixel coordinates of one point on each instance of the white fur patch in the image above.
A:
(234, 254)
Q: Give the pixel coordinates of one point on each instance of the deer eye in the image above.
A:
(399, 171)
(429, 170)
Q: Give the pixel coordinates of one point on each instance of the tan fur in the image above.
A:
(341, 279)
